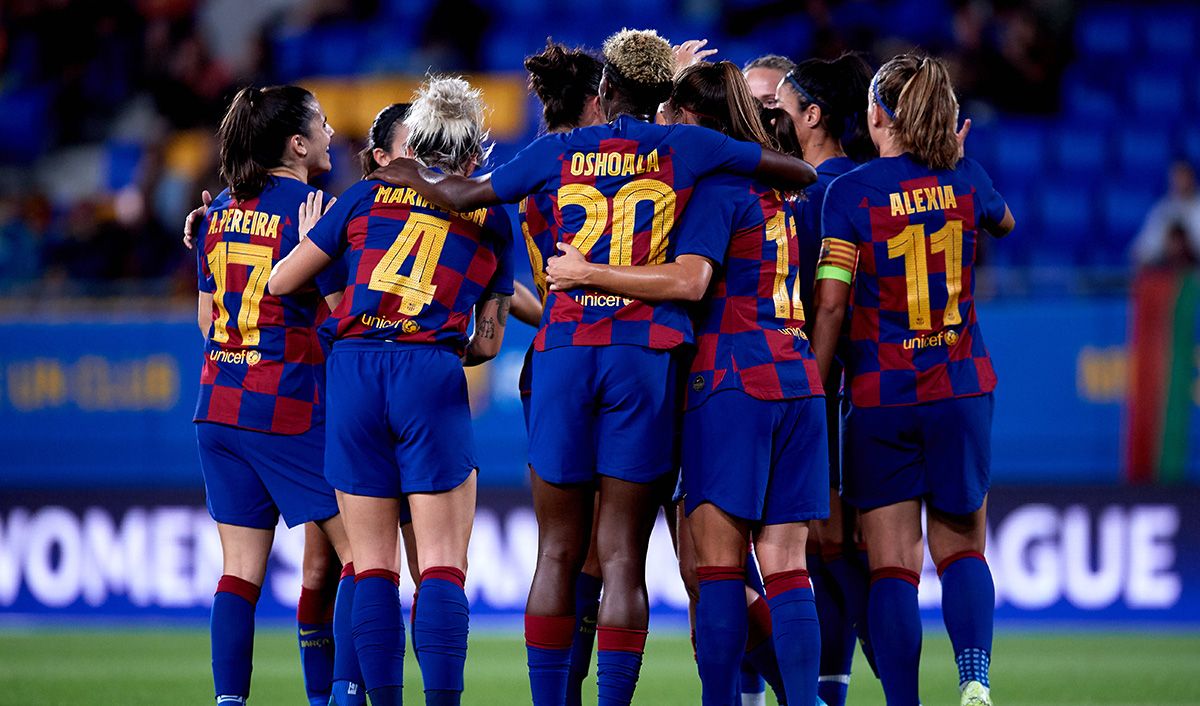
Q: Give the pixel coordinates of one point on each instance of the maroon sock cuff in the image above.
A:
(895, 572)
(445, 573)
(378, 574)
(784, 581)
(612, 639)
(311, 607)
(239, 587)
(347, 571)
(969, 554)
(721, 573)
(549, 632)
(758, 623)
(832, 550)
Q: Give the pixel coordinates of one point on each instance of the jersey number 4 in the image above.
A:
(910, 245)
(427, 236)
(258, 259)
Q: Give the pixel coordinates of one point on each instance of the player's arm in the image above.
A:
(685, 279)
(204, 305)
(491, 316)
(784, 172)
(300, 266)
(835, 272)
(526, 306)
(1004, 227)
(448, 191)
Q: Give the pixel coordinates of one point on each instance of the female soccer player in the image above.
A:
(824, 101)
(399, 418)
(754, 416)
(900, 242)
(260, 424)
(604, 401)
(567, 82)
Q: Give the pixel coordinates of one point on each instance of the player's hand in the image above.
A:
(690, 52)
(961, 136)
(193, 218)
(311, 211)
(568, 270)
(401, 172)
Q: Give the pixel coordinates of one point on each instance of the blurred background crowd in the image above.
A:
(108, 110)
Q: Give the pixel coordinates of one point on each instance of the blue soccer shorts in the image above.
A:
(603, 410)
(398, 419)
(938, 451)
(251, 478)
(764, 461)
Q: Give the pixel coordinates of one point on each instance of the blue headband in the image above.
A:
(808, 97)
(879, 98)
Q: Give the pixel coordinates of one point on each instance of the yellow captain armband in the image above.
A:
(838, 260)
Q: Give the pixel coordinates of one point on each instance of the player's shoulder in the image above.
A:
(286, 189)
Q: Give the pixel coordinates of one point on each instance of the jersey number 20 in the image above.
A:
(624, 218)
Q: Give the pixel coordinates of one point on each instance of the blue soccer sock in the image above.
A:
(587, 607)
(548, 648)
(968, 607)
(895, 623)
(379, 634)
(347, 688)
(837, 633)
(720, 631)
(618, 664)
(797, 633)
(232, 626)
(314, 628)
(752, 686)
(760, 647)
(440, 626)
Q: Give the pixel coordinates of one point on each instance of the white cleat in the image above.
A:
(975, 694)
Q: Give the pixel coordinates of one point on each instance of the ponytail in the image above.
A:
(563, 79)
(255, 132)
(917, 94)
(779, 125)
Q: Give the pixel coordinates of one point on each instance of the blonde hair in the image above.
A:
(918, 96)
(445, 124)
(640, 55)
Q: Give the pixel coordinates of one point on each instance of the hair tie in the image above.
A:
(790, 77)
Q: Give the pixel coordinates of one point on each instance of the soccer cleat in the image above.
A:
(975, 694)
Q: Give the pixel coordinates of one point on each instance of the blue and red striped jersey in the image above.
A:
(907, 235)
(616, 192)
(806, 207)
(262, 362)
(415, 272)
(749, 329)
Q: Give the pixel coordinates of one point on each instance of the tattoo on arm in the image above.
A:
(504, 302)
(486, 328)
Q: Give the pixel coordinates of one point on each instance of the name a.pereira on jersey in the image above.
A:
(408, 197)
(246, 222)
(921, 200)
(613, 163)
(945, 337)
(235, 357)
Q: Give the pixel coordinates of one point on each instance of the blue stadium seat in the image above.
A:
(122, 160)
(1021, 150)
(1105, 32)
(1158, 94)
(1081, 152)
(1081, 99)
(1124, 210)
(1189, 140)
(1144, 153)
(1065, 209)
(1170, 32)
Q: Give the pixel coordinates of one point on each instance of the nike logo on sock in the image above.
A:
(304, 632)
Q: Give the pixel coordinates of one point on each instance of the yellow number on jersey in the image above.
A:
(624, 216)
(910, 244)
(258, 259)
(427, 234)
(779, 230)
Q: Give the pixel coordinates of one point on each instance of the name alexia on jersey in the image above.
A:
(920, 200)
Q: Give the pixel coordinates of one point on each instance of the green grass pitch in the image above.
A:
(52, 667)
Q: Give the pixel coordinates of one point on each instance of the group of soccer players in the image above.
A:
(680, 217)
